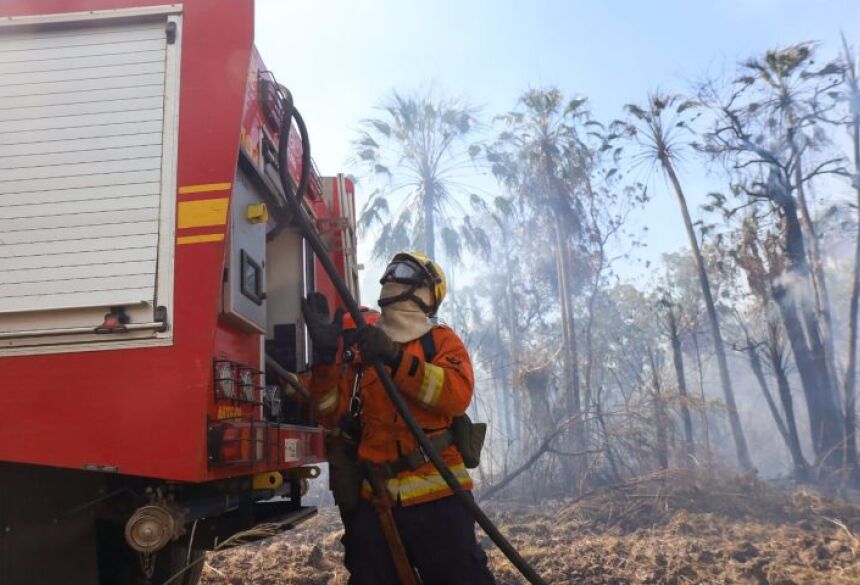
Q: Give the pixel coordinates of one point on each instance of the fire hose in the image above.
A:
(294, 201)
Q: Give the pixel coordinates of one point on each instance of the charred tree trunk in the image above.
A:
(568, 328)
(851, 367)
(678, 361)
(706, 426)
(825, 416)
(741, 448)
(791, 442)
(806, 369)
(573, 467)
(661, 421)
(505, 407)
(607, 447)
(824, 321)
(755, 365)
(571, 354)
(588, 374)
(514, 333)
(589, 328)
(560, 210)
(777, 364)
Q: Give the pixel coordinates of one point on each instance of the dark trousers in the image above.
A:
(439, 537)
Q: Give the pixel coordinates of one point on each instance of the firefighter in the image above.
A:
(431, 368)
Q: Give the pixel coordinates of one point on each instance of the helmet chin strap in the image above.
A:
(408, 295)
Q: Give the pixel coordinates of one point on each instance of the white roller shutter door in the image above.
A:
(86, 138)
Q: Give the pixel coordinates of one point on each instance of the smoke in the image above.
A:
(797, 288)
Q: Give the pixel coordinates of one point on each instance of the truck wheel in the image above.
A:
(171, 562)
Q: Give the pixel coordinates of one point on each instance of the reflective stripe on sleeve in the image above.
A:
(431, 385)
(329, 402)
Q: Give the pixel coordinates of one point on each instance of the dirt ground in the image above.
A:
(676, 528)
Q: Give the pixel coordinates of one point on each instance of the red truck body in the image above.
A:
(145, 411)
(123, 371)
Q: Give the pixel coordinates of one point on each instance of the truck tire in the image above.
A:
(170, 562)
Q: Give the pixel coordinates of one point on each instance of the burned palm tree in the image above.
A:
(657, 129)
(790, 92)
(541, 158)
(763, 134)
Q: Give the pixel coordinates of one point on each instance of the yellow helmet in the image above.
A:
(418, 270)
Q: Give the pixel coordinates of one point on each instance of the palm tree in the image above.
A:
(657, 130)
(792, 94)
(417, 153)
(542, 159)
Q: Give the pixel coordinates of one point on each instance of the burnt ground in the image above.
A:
(675, 528)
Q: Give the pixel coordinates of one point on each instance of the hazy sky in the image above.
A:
(341, 57)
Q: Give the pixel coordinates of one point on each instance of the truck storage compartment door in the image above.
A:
(88, 107)
(245, 288)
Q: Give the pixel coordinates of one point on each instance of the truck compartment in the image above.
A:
(88, 147)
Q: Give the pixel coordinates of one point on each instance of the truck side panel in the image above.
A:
(143, 411)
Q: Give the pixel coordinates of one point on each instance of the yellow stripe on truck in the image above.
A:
(203, 213)
(201, 239)
(204, 188)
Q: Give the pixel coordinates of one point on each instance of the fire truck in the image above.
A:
(150, 287)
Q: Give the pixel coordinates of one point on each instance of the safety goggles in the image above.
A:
(405, 272)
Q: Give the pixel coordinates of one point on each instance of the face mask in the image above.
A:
(404, 320)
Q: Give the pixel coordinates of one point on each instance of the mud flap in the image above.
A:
(45, 534)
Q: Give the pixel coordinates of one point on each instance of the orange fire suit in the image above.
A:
(435, 392)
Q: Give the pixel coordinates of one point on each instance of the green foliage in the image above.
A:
(541, 154)
(417, 155)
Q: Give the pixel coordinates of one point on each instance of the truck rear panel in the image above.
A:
(141, 276)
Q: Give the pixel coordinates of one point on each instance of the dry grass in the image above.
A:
(673, 528)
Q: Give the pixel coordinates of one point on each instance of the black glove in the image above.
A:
(324, 330)
(374, 344)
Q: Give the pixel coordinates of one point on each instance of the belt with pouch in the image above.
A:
(415, 459)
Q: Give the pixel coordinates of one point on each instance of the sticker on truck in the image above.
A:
(292, 450)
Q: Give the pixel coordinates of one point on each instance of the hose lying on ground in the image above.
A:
(299, 215)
